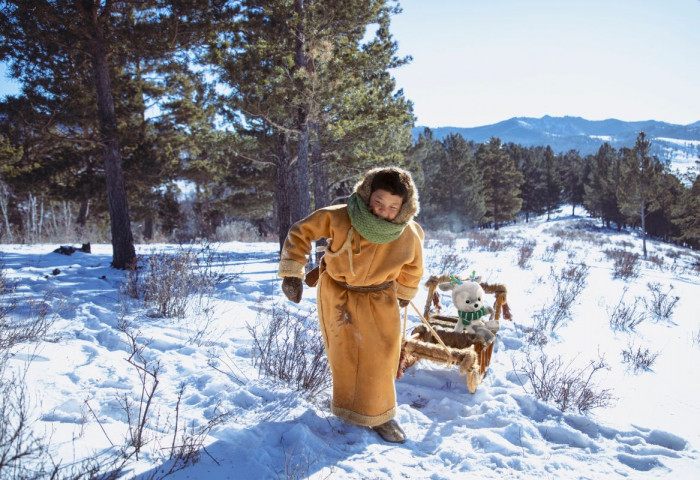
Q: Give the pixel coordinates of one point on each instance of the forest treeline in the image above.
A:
(164, 120)
(490, 184)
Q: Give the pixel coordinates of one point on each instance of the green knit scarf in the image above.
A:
(371, 227)
(467, 317)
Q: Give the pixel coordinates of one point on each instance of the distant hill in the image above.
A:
(679, 144)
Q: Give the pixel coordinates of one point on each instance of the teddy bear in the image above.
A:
(468, 297)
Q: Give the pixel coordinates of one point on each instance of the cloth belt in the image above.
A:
(368, 288)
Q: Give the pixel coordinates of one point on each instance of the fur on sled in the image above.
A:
(422, 345)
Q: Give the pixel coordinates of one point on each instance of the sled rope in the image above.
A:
(432, 330)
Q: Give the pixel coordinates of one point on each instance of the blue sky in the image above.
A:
(477, 62)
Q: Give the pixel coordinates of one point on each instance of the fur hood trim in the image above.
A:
(410, 206)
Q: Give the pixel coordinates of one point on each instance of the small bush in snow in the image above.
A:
(567, 386)
(696, 338)
(8, 304)
(19, 446)
(489, 241)
(24, 321)
(661, 303)
(639, 359)
(656, 261)
(525, 253)
(625, 264)
(551, 251)
(445, 258)
(567, 284)
(237, 231)
(625, 316)
(170, 283)
(284, 349)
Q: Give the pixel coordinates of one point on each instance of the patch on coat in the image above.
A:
(344, 317)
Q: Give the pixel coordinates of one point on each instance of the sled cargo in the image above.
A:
(435, 339)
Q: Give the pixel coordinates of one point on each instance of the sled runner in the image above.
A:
(437, 341)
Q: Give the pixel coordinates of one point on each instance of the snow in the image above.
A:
(652, 430)
(681, 142)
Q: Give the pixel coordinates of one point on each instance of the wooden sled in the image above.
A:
(435, 339)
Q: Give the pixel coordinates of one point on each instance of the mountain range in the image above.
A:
(677, 144)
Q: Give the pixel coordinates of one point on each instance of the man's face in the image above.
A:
(384, 204)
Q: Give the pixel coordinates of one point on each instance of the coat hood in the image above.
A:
(410, 206)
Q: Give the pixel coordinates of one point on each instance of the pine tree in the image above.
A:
(686, 215)
(452, 194)
(573, 171)
(640, 183)
(660, 218)
(529, 163)
(304, 83)
(552, 182)
(502, 181)
(600, 198)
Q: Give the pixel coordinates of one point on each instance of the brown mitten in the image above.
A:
(403, 303)
(292, 288)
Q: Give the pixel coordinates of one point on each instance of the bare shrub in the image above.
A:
(584, 233)
(626, 317)
(220, 360)
(444, 257)
(551, 251)
(188, 442)
(625, 244)
(638, 359)
(298, 464)
(625, 264)
(138, 413)
(20, 448)
(568, 284)
(170, 283)
(489, 241)
(8, 304)
(657, 261)
(237, 231)
(283, 349)
(661, 304)
(695, 339)
(527, 248)
(567, 386)
(26, 321)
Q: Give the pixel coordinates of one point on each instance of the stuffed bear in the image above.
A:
(468, 297)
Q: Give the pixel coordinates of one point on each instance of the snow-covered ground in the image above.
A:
(77, 383)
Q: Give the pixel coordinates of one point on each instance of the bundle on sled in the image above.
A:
(465, 340)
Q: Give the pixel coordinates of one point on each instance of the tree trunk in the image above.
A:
(644, 230)
(301, 196)
(319, 171)
(320, 177)
(148, 228)
(83, 213)
(123, 252)
(283, 187)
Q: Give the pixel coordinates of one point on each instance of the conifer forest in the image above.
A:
(174, 121)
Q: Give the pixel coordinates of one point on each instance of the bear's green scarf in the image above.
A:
(467, 317)
(371, 227)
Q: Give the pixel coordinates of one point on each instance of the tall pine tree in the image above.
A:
(640, 183)
(502, 181)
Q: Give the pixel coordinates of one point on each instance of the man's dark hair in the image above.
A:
(391, 182)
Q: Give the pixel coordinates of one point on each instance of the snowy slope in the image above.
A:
(78, 380)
